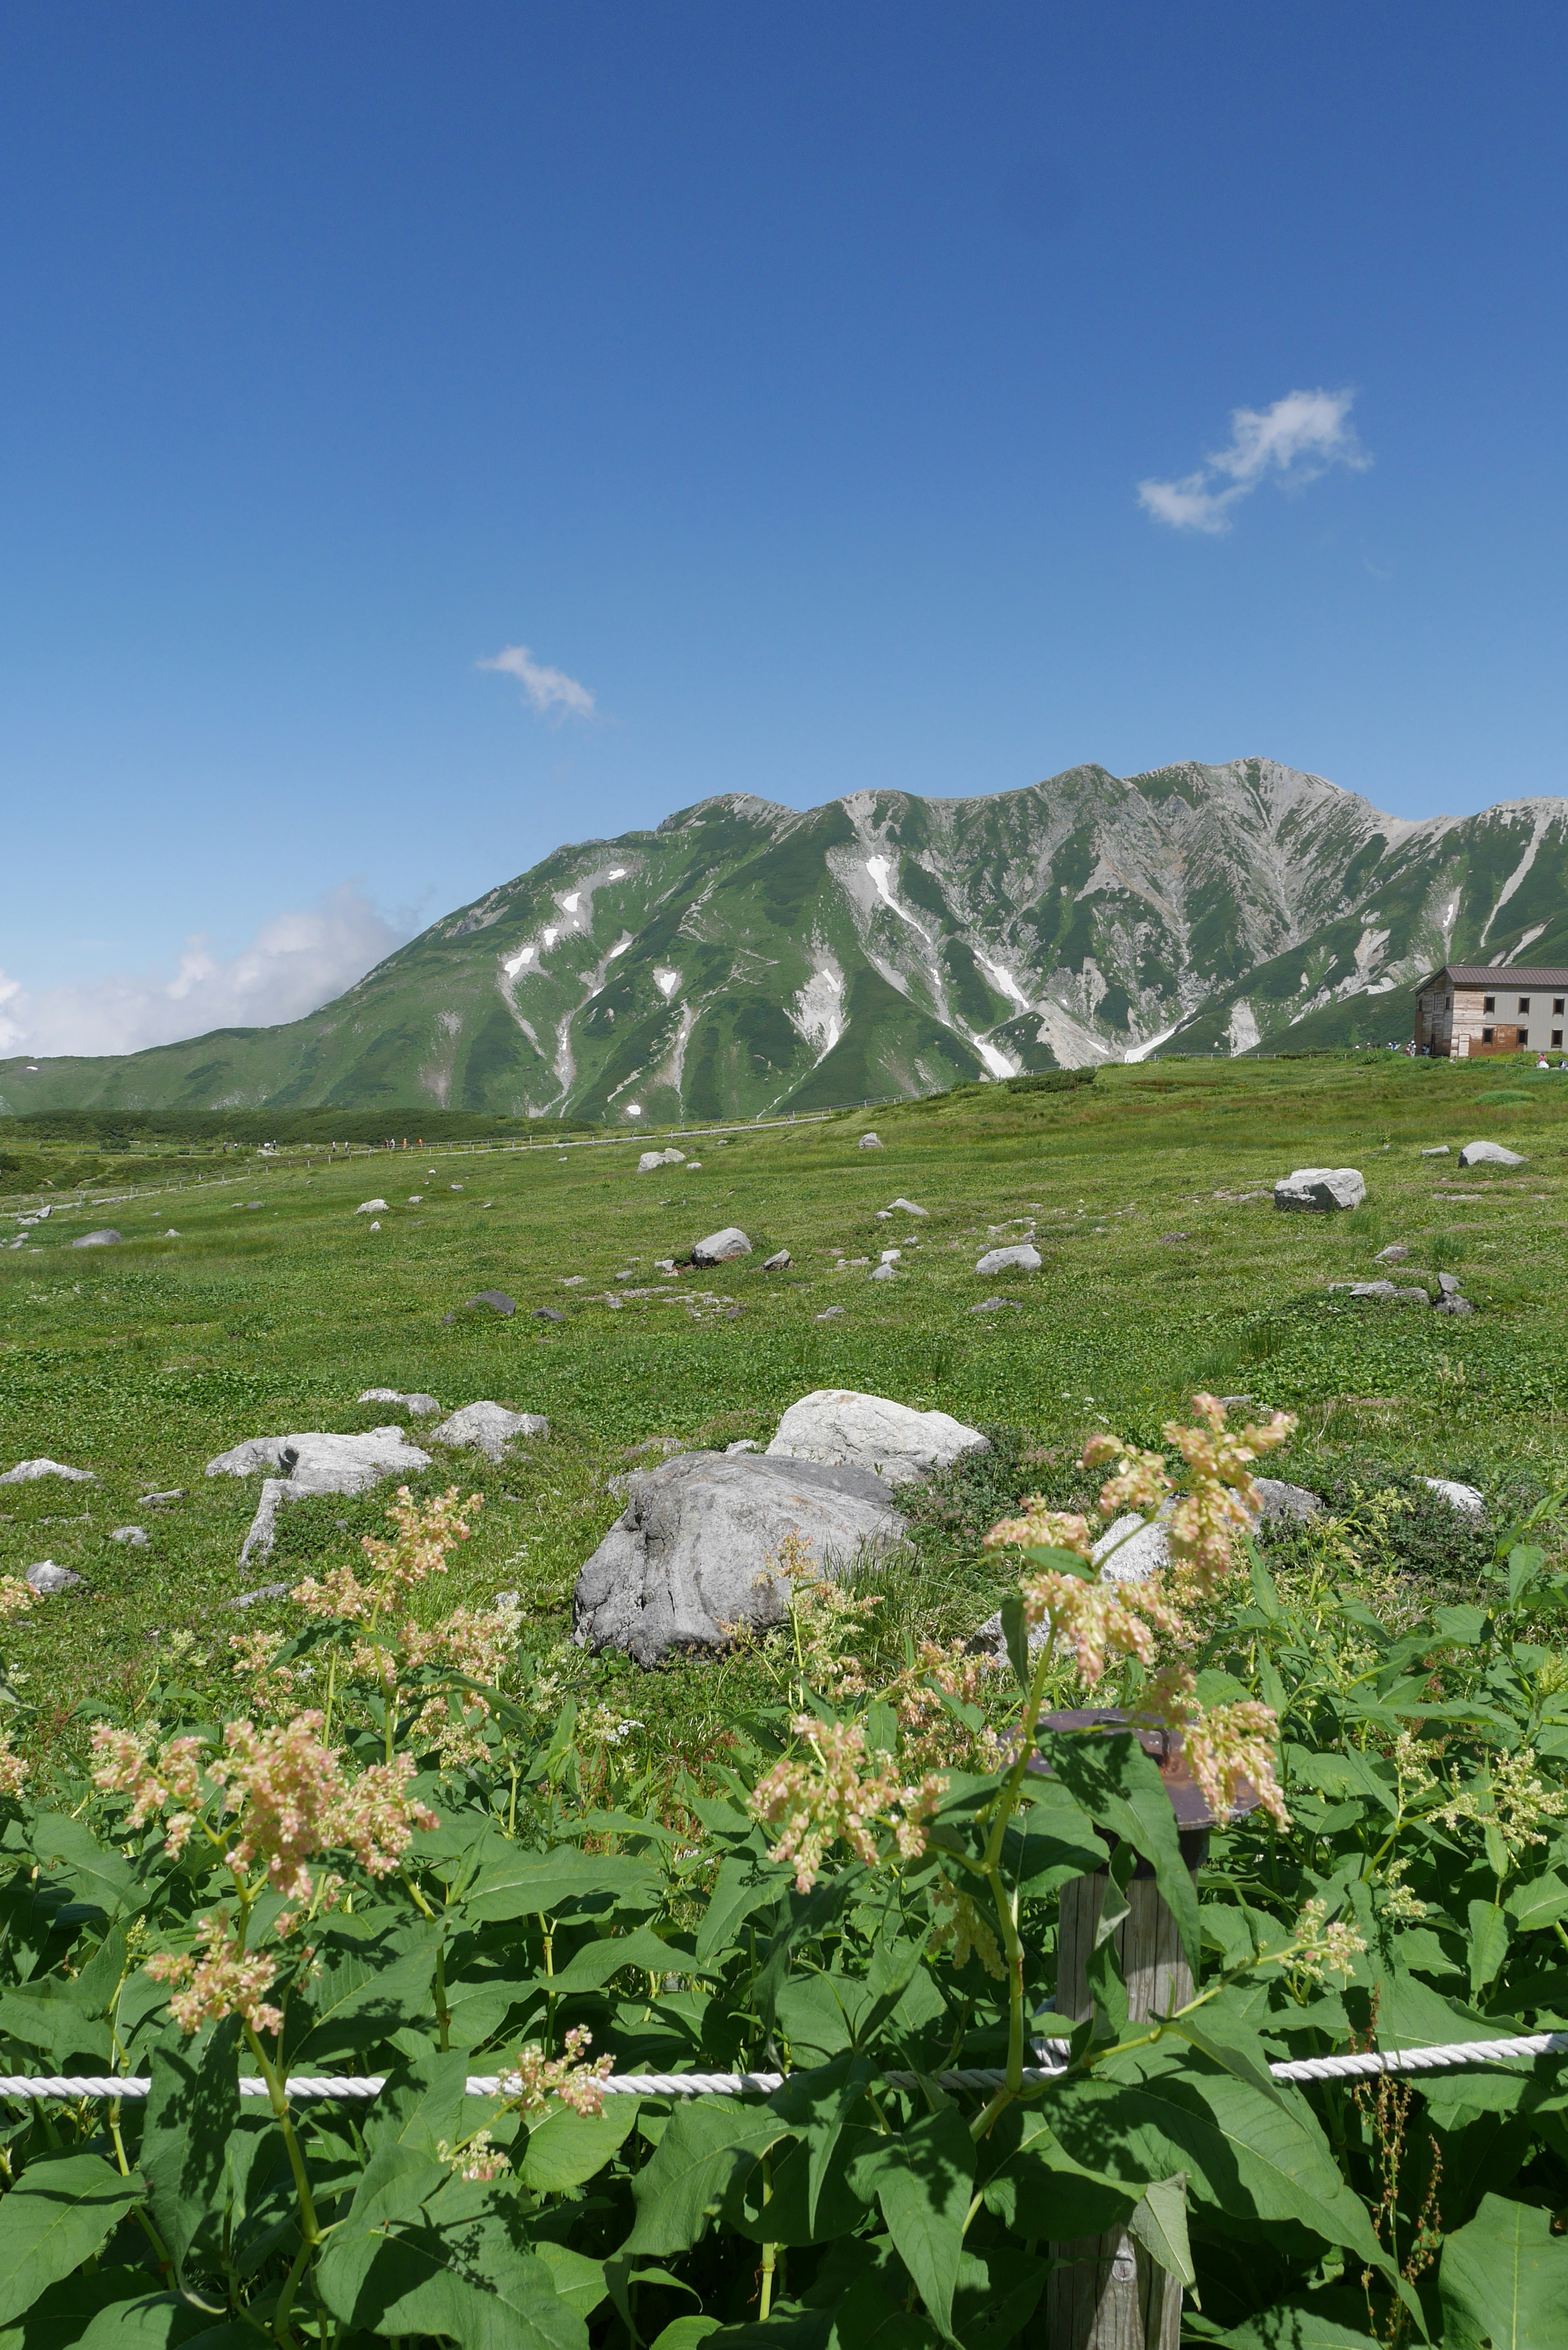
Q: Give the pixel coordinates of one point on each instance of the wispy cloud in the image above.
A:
(549, 692)
(294, 962)
(1299, 437)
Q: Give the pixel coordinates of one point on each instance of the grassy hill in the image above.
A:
(141, 1361)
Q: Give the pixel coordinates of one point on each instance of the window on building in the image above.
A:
(1557, 1036)
(1490, 1004)
(1485, 1036)
(1559, 1002)
(1524, 1002)
(1522, 1035)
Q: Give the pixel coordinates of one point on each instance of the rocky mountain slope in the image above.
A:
(745, 958)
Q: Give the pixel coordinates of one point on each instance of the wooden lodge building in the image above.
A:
(1472, 1011)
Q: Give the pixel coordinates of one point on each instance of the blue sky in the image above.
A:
(784, 380)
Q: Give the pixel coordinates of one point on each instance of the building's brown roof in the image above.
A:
(1500, 975)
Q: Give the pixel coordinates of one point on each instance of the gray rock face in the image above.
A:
(1283, 1500)
(1324, 1189)
(909, 1207)
(134, 1537)
(1453, 1305)
(104, 1239)
(366, 1207)
(488, 1428)
(497, 1301)
(26, 1470)
(315, 1463)
(263, 1591)
(996, 1305)
(1023, 1257)
(777, 1262)
(1489, 1154)
(829, 1314)
(548, 1313)
(695, 1552)
(1395, 1254)
(869, 1142)
(720, 1246)
(422, 1406)
(1385, 1291)
(839, 1426)
(1462, 1499)
(883, 1273)
(652, 1158)
(47, 1577)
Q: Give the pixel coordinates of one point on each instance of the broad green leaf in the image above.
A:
(95, 1986)
(1041, 2194)
(153, 2321)
(45, 2017)
(1159, 2223)
(531, 1883)
(1504, 2280)
(1526, 1561)
(868, 2319)
(1489, 1943)
(771, 2203)
(364, 1999)
(1539, 1902)
(58, 2214)
(69, 1854)
(998, 2290)
(421, 2103)
(408, 2284)
(923, 2180)
(704, 2143)
(1120, 1788)
(1297, 2325)
(57, 2319)
(1015, 1633)
(685, 2332)
(395, 2184)
(1225, 2043)
(579, 2280)
(739, 1889)
(596, 1961)
(565, 2148)
(192, 2110)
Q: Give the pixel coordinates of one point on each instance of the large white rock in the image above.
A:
(841, 1428)
(488, 1428)
(720, 1247)
(1322, 1187)
(26, 1470)
(422, 1406)
(909, 1207)
(652, 1158)
(317, 1462)
(869, 1142)
(104, 1239)
(1488, 1154)
(45, 1578)
(695, 1555)
(1462, 1499)
(1022, 1257)
(370, 1207)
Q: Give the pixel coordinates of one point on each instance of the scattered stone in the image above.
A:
(1023, 1257)
(777, 1262)
(488, 1428)
(995, 1305)
(720, 1246)
(840, 1427)
(883, 1273)
(652, 1158)
(1283, 1500)
(366, 1207)
(497, 1301)
(1449, 1284)
(106, 1238)
(26, 1470)
(316, 1463)
(1489, 1154)
(416, 1199)
(745, 1444)
(46, 1576)
(891, 1256)
(695, 1555)
(1383, 1290)
(664, 1264)
(505, 1601)
(422, 1406)
(1436, 1150)
(263, 1591)
(1168, 1237)
(256, 1203)
(454, 1187)
(153, 1501)
(1324, 1188)
(869, 1142)
(693, 1167)
(1453, 1306)
(1463, 1499)
(573, 1280)
(909, 1207)
(171, 1234)
(828, 1314)
(548, 1313)
(135, 1537)
(1395, 1254)
(376, 1224)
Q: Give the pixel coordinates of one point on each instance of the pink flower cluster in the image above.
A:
(536, 2077)
(225, 1979)
(13, 1767)
(1221, 1500)
(838, 1796)
(1094, 1621)
(1224, 1746)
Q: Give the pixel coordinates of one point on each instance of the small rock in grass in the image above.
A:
(745, 1444)
(26, 1470)
(1023, 1257)
(46, 1576)
(1453, 1306)
(909, 1207)
(843, 1427)
(995, 1305)
(135, 1536)
(416, 1199)
(571, 1280)
(375, 1223)
(104, 1239)
(777, 1262)
(454, 1187)
(422, 1406)
(1283, 1500)
(1395, 1254)
(720, 1247)
(892, 1256)
(1488, 1154)
(263, 1591)
(489, 1428)
(505, 1601)
(497, 1301)
(1462, 1499)
(883, 1273)
(869, 1142)
(1449, 1283)
(828, 1314)
(1168, 1237)
(1321, 1189)
(1437, 1150)
(155, 1501)
(548, 1313)
(364, 1208)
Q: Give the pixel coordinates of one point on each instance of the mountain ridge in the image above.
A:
(741, 957)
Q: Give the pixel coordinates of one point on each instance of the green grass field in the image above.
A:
(140, 1362)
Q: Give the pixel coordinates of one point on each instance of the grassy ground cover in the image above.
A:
(1161, 1273)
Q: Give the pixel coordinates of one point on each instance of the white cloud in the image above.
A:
(547, 690)
(294, 962)
(1299, 437)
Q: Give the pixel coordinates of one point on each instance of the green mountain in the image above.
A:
(745, 958)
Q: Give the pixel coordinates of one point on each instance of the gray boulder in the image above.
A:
(548, 1313)
(1463, 1499)
(777, 1262)
(1023, 1257)
(1283, 1500)
(1436, 1150)
(652, 1158)
(841, 1428)
(134, 1537)
(46, 1576)
(869, 1142)
(370, 1207)
(1453, 1303)
(299, 1467)
(263, 1591)
(1395, 1254)
(1489, 1154)
(908, 1206)
(98, 1240)
(883, 1273)
(497, 1301)
(26, 1470)
(995, 1305)
(720, 1246)
(422, 1406)
(488, 1428)
(1383, 1291)
(1324, 1189)
(694, 1556)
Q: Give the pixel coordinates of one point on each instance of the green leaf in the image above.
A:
(1041, 2194)
(151, 2321)
(45, 2016)
(1489, 1943)
(565, 2148)
(596, 1961)
(364, 1999)
(69, 1854)
(1159, 2223)
(706, 2141)
(1015, 1633)
(923, 2181)
(1296, 2325)
(408, 2284)
(1526, 1561)
(57, 2319)
(422, 2102)
(544, 1884)
(1265, 1597)
(1120, 1788)
(1539, 1903)
(685, 2332)
(1504, 2280)
(58, 2214)
(579, 2280)
(1463, 1627)
(192, 2110)
(738, 1891)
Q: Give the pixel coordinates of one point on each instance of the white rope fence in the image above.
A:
(310, 2088)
